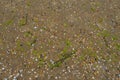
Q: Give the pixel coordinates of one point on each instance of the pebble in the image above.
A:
(56, 77)
(51, 61)
(14, 78)
(21, 75)
(21, 70)
(93, 77)
(1, 63)
(30, 78)
(3, 68)
(35, 27)
(41, 30)
(5, 79)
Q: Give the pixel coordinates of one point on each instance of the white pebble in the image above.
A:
(35, 27)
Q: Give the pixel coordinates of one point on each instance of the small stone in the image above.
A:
(53, 47)
(36, 59)
(51, 61)
(21, 70)
(14, 78)
(56, 77)
(35, 27)
(30, 78)
(93, 77)
(3, 68)
(73, 48)
(17, 75)
(1, 63)
(41, 30)
(51, 36)
(5, 79)
(21, 75)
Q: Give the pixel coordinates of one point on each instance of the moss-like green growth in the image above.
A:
(93, 9)
(82, 57)
(114, 57)
(100, 20)
(44, 28)
(104, 33)
(22, 22)
(114, 37)
(36, 20)
(64, 50)
(88, 52)
(63, 58)
(40, 55)
(68, 43)
(41, 62)
(9, 22)
(19, 46)
(65, 25)
(33, 41)
(56, 64)
(118, 46)
(28, 34)
(94, 6)
(28, 3)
